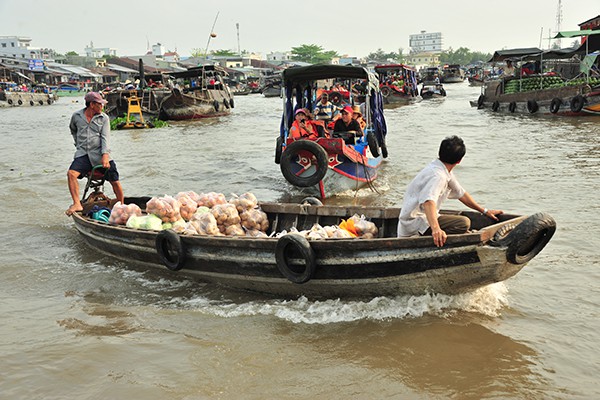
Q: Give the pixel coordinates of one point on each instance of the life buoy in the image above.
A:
(20, 102)
(278, 149)
(512, 106)
(528, 238)
(290, 156)
(577, 103)
(385, 91)
(231, 103)
(312, 201)
(495, 105)
(532, 106)
(555, 105)
(480, 100)
(216, 105)
(373, 144)
(296, 246)
(170, 249)
(10, 101)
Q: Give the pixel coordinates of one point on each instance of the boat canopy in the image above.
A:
(393, 67)
(501, 55)
(197, 71)
(295, 75)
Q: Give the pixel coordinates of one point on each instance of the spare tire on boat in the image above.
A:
(295, 246)
(170, 249)
(577, 103)
(289, 159)
(555, 105)
(528, 238)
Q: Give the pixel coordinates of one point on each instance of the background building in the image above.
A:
(425, 42)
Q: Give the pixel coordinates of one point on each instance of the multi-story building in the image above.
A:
(17, 47)
(99, 52)
(426, 42)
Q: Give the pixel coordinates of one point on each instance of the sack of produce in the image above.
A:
(254, 219)
(166, 208)
(121, 212)
(316, 232)
(256, 233)
(363, 228)
(149, 221)
(205, 224)
(175, 225)
(245, 202)
(234, 230)
(225, 215)
(188, 205)
(210, 199)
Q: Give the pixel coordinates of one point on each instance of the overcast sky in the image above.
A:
(350, 27)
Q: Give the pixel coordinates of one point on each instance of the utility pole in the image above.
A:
(237, 26)
(558, 21)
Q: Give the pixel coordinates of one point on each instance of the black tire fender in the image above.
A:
(278, 149)
(31, 103)
(20, 102)
(373, 144)
(555, 105)
(225, 103)
(231, 103)
(512, 106)
(289, 156)
(49, 101)
(532, 106)
(480, 100)
(577, 103)
(41, 102)
(384, 150)
(295, 244)
(170, 250)
(385, 91)
(495, 105)
(10, 101)
(216, 105)
(528, 238)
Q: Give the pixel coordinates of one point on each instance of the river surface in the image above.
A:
(77, 324)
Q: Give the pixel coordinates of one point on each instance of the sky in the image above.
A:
(349, 27)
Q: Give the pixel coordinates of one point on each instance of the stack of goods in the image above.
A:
(353, 227)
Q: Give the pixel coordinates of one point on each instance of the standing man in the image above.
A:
(428, 190)
(90, 128)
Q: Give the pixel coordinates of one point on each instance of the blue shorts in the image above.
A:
(84, 166)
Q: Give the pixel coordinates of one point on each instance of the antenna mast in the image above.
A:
(558, 21)
(237, 26)
(212, 35)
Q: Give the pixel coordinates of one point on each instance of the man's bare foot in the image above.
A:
(73, 209)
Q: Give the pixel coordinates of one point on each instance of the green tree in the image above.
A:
(462, 56)
(197, 52)
(225, 53)
(71, 53)
(312, 53)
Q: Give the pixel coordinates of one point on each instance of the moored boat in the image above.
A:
(452, 73)
(290, 265)
(25, 99)
(538, 88)
(335, 161)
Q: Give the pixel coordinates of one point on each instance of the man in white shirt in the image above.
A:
(428, 190)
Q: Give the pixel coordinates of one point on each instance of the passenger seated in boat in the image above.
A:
(302, 128)
(347, 124)
(428, 190)
(357, 115)
(325, 110)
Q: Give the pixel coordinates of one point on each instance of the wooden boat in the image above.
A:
(25, 99)
(429, 75)
(539, 92)
(205, 96)
(335, 162)
(406, 92)
(433, 91)
(452, 73)
(291, 265)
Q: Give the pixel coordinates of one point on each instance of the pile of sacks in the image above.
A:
(191, 213)
(210, 214)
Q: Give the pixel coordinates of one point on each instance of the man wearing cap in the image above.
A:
(90, 128)
(347, 123)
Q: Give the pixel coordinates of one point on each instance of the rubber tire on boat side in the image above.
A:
(512, 106)
(480, 101)
(555, 105)
(278, 149)
(528, 238)
(577, 103)
(373, 144)
(289, 156)
(302, 247)
(384, 150)
(216, 105)
(168, 240)
(495, 105)
(532, 106)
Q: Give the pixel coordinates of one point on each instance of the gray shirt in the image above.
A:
(435, 183)
(91, 139)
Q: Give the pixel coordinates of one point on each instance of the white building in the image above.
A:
(18, 47)
(99, 52)
(425, 42)
(279, 56)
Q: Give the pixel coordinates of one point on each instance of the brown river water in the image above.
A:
(77, 324)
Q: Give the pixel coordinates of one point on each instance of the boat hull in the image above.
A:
(384, 266)
(26, 99)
